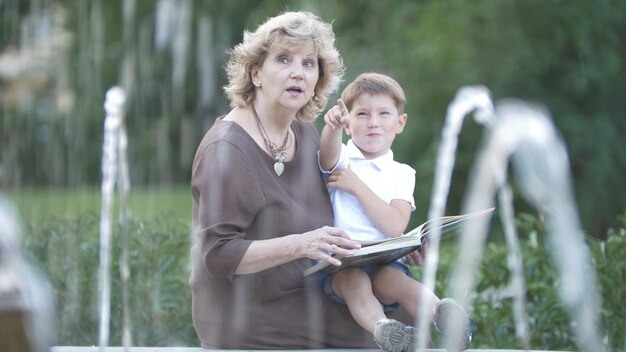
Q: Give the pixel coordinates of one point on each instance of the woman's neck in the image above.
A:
(275, 119)
(281, 137)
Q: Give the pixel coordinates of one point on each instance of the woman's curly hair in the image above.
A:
(287, 28)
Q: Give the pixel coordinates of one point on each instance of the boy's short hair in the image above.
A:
(374, 83)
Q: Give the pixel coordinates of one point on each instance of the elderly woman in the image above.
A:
(261, 212)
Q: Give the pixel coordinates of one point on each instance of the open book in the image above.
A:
(391, 249)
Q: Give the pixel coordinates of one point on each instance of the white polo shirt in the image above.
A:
(387, 178)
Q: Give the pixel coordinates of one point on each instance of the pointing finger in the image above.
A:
(343, 108)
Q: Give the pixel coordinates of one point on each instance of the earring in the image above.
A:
(256, 84)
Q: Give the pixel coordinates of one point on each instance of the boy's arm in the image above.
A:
(330, 139)
(330, 147)
(389, 218)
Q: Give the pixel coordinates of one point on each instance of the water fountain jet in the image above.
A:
(524, 134)
(114, 173)
(26, 304)
(468, 99)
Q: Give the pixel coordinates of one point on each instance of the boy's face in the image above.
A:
(374, 123)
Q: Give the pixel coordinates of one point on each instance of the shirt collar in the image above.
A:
(354, 153)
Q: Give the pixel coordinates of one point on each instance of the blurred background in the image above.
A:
(59, 57)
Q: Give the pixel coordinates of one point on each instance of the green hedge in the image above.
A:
(67, 250)
(550, 326)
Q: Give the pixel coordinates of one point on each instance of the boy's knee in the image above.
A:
(386, 273)
(349, 278)
(351, 275)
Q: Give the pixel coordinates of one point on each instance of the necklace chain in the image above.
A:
(278, 153)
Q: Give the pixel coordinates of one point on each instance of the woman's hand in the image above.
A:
(418, 257)
(322, 243)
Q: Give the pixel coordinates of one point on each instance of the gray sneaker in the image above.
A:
(451, 319)
(393, 336)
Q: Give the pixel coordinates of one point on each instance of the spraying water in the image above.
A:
(114, 172)
(26, 302)
(525, 134)
(467, 100)
(518, 283)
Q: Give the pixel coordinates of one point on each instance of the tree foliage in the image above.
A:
(169, 56)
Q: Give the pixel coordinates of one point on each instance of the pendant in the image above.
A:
(279, 167)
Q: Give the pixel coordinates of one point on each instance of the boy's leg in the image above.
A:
(355, 287)
(452, 322)
(392, 285)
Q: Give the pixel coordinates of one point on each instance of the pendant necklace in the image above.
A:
(278, 153)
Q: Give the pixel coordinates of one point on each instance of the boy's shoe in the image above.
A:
(393, 336)
(450, 317)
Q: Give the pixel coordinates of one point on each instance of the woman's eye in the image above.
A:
(309, 64)
(283, 60)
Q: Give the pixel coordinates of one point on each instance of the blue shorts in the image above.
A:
(325, 280)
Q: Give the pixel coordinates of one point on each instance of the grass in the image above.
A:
(38, 205)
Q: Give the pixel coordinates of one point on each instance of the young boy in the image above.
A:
(372, 197)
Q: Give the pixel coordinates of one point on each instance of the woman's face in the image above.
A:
(288, 76)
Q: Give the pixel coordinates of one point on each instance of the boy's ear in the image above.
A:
(346, 127)
(401, 123)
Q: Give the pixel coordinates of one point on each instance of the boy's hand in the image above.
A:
(337, 116)
(418, 257)
(345, 180)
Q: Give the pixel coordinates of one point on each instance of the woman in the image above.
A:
(260, 208)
